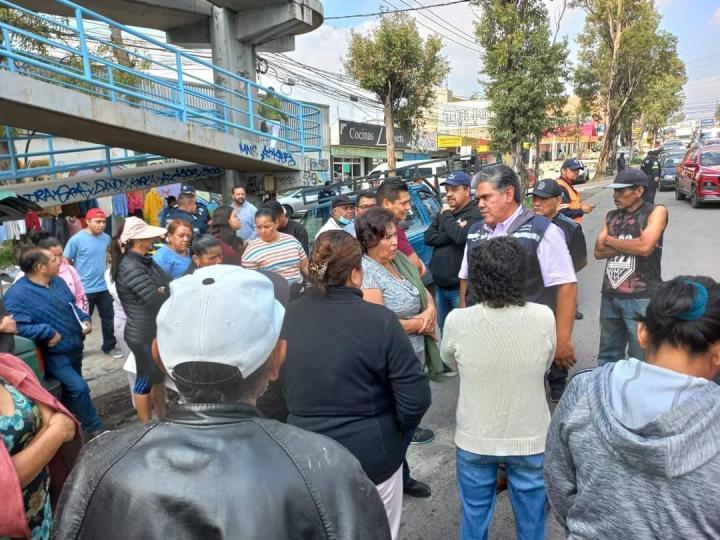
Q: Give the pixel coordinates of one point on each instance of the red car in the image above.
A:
(699, 176)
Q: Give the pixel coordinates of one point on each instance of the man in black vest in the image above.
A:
(631, 240)
(551, 277)
(547, 198)
(652, 168)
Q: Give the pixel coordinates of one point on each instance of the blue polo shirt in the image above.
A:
(88, 254)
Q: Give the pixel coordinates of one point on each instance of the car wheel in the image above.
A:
(288, 210)
(694, 200)
(679, 195)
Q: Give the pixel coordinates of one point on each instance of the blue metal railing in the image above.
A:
(39, 155)
(78, 53)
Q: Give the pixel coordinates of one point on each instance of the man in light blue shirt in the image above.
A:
(245, 212)
(87, 252)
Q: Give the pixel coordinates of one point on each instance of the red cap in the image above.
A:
(95, 213)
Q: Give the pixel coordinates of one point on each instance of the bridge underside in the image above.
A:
(48, 108)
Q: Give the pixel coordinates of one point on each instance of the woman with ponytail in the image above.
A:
(142, 287)
(634, 447)
(351, 372)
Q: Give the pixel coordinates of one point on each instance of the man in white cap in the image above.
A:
(214, 467)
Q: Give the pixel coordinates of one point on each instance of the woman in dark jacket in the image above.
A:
(360, 384)
(142, 287)
(223, 226)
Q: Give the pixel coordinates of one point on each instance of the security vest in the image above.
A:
(529, 230)
(574, 203)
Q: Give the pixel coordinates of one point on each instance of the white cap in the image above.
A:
(222, 314)
(136, 229)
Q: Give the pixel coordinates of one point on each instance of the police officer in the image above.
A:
(201, 212)
(652, 168)
(186, 210)
(546, 201)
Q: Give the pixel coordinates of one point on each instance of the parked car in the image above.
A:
(672, 144)
(300, 199)
(424, 206)
(698, 176)
(711, 141)
(668, 176)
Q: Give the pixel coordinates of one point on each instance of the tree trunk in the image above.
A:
(607, 152)
(538, 139)
(121, 56)
(389, 136)
(519, 166)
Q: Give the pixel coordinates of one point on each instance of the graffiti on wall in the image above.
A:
(74, 190)
(268, 153)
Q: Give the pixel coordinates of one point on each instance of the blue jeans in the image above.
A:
(476, 477)
(618, 328)
(445, 301)
(67, 368)
(104, 303)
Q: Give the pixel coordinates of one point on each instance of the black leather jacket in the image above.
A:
(139, 282)
(218, 471)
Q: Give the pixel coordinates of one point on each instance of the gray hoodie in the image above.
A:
(633, 451)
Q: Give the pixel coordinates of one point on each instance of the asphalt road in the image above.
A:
(692, 246)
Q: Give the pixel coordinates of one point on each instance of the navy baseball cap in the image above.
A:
(342, 200)
(457, 178)
(572, 164)
(187, 188)
(629, 178)
(546, 189)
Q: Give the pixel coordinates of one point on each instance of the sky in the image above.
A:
(696, 23)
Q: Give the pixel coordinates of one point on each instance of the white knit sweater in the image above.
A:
(501, 356)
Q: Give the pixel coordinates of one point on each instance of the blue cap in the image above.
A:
(457, 178)
(572, 164)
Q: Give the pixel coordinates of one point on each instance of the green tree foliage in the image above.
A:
(522, 74)
(628, 68)
(401, 69)
(717, 113)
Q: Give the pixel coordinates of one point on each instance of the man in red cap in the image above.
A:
(87, 252)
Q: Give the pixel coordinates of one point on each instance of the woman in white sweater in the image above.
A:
(502, 347)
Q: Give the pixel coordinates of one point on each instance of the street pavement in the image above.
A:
(692, 245)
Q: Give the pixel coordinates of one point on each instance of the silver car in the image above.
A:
(299, 200)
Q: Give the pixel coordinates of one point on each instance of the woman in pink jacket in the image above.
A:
(40, 441)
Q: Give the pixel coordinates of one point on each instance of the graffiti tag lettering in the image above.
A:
(280, 156)
(70, 191)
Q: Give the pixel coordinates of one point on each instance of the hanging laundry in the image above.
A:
(152, 207)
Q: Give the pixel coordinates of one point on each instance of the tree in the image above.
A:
(622, 59)
(717, 113)
(522, 73)
(401, 69)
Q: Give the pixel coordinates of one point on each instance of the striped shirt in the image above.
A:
(282, 257)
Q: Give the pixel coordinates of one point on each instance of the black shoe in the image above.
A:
(448, 372)
(555, 395)
(579, 316)
(418, 489)
(423, 436)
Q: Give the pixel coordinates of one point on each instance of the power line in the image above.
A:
(443, 22)
(435, 30)
(395, 11)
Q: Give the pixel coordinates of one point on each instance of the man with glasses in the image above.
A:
(631, 241)
(365, 201)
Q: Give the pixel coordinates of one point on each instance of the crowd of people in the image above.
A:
(304, 375)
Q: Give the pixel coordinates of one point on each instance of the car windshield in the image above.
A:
(671, 162)
(710, 158)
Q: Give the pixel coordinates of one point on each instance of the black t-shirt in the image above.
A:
(295, 229)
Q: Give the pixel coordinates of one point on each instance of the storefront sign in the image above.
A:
(473, 113)
(358, 134)
(449, 141)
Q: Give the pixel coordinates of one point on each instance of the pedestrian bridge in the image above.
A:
(67, 76)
